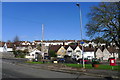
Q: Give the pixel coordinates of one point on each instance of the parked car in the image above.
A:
(61, 60)
(86, 61)
(35, 60)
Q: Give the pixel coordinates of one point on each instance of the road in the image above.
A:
(11, 70)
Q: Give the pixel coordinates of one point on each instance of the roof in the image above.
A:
(54, 48)
(73, 46)
(61, 40)
(57, 47)
(9, 44)
(112, 49)
(87, 49)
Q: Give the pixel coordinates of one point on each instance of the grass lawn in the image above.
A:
(89, 66)
(36, 62)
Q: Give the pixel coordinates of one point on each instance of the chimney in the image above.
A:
(63, 43)
(78, 43)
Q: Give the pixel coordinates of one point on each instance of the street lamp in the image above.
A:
(81, 33)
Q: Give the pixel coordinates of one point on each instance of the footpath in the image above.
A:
(62, 68)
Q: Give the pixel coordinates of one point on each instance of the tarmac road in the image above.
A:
(10, 70)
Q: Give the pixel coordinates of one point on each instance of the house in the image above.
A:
(54, 42)
(69, 50)
(25, 43)
(106, 54)
(53, 48)
(25, 47)
(74, 51)
(89, 52)
(77, 53)
(5, 47)
(61, 52)
(113, 52)
(34, 54)
(99, 53)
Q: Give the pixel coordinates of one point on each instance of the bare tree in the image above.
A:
(16, 39)
(105, 20)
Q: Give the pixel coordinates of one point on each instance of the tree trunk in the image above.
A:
(119, 53)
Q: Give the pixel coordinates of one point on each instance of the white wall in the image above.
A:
(8, 49)
(1, 49)
(99, 54)
(91, 54)
(106, 54)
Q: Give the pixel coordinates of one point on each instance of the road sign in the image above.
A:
(81, 42)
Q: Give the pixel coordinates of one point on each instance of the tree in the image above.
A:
(105, 20)
(16, 39)
(73, 44)
(9, 41)
(99, 40)
(52, 53)
(39, 46)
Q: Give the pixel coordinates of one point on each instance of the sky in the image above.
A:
(61, 20)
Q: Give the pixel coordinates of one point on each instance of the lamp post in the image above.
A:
(81, 33)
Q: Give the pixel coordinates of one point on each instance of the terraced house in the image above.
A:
(74, 51)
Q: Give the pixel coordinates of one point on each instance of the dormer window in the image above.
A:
(69, 51)
(78, 51)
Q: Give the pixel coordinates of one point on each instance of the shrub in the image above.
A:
(95, 62)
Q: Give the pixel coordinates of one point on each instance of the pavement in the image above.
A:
(18, 72)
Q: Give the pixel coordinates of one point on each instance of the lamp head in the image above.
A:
(78, 4)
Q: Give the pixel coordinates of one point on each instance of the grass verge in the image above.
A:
(36, 62)
(89, 66)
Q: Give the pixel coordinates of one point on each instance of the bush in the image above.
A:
(19, 54)
(52, 53)
(95, 62)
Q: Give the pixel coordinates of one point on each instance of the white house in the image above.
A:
(89, 53)
(4, 48)
(113, 52)
(99, 54)
(106, 54)
(77, 53)
(34, 54)
(69, 51)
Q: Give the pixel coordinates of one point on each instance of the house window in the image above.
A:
(32, 54)
(69, 51)
(78, 51)
(62, 50)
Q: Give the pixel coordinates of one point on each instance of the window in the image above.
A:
(78, 51)
(69, 51)
(62, 50)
